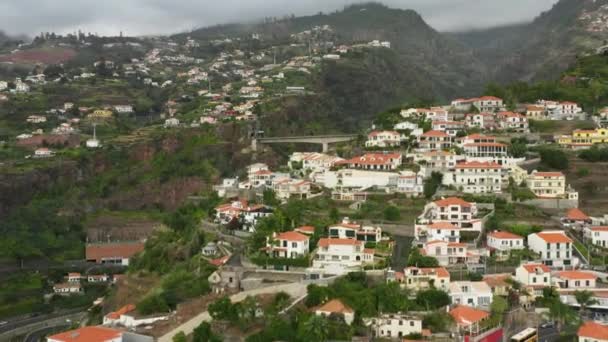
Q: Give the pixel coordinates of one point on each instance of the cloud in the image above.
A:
(140, 17)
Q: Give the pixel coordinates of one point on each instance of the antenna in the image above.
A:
(94, 131)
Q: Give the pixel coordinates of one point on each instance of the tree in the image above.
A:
(179, 337)
(391, 298)
(334, 214)
(315, 328)
(391, 213)
(432, 184)
(203, 333)
(554, 158)
(432, 299)
(269, 197)
(419, 260)
(316, 295)
(223, 309)
(584, 298)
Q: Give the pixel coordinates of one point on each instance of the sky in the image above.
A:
(149, 17)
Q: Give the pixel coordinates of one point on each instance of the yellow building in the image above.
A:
(101, 114)
(547, 184)
(584, 138)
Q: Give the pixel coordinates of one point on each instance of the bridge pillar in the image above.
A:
(325, 147)
(254, 145)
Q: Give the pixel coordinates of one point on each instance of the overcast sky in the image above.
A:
(138, 17)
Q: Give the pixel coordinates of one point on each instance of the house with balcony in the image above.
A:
(584, 138)
(287, 245)
(383, 139)
(513, 122)
(421, 278)
(374, 162)
(450, 127)
(535, 112)
(468, 319)
(502, 243)
(485, 121)
(454, 210)
(446, 253)
(535, 276)
(554, 248)
(438, 230)
(340, 256)
(470, 293)
(336, 307)
(437, 161)
(482, 104)
(247, 215)
(575, 280)
(476, 177)
(392, 326)
(352, 230)
(434, 141)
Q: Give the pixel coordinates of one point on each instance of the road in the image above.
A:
(403, 245)
(295, 290)
(550, 334)
(36, 336)
(16, 324)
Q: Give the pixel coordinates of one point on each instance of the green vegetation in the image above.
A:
(419, 260)
(595, 154)
(554, 158)
(432, 184)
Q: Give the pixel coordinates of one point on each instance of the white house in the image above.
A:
(292, 188)
(420, 278)
(485, 121)
(446, 253)
(383, 139)
(483, 104)
(317, 162)
(74, 277)
(67, 288)
(440, 161)
(454, 210)
(339, 256)
(471, 293)
(547, 184)
(335, 306)
(374, 161)
(409, 126)
(438, 230)
(513, 121)
(36, 119)
(358, 179)
(598, 235)
(352, 230)
(287, 245)
(172, 122)
(410, 182)
(476, 177)
(554, 247)
(98, 278)
(575, 280)
(248, 215)
(478, 145)
(534, 275)
(502, 243)
(394, 325)
(43, 152)
(592, 331)
(123, 108)
(433, 141)
(450, 127)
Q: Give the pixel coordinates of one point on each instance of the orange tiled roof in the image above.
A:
(88, 334)
(324, 242)
(531, 268)
(554, 237)
(435, 134)
(593, 330)
(466, 315)
(442, 225)
(599, 229)
(292, 236)
(125, 309)
(478, 165)
(439, 271)
(452, 201)
(504, 235)
(305, 229)
(112, 250)
(576, 214)
(576, 275)
(548, 174)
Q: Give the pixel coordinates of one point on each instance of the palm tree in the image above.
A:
(561, 313)
(316, 328)
(584, 299)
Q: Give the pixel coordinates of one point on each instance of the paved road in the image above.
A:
(16, 324)
(295, 290)
(403, 245)
(548, 334)
(37, 336)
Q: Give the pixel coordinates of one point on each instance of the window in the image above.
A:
(294, 245)
(534, 279)
(411, 323)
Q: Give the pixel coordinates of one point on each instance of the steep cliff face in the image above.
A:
(17, 189)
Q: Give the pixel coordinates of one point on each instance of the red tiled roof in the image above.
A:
(125, 309)
(576, 214)
(373, 159)
(593, 330)
(504, 235)
(305, 229)
(452, 201)
(442, 225)
(335, 306)
(576, 275)
(466, 315)
(599, 229)
(554, 237)
(435, 134)
(478, 165)
(98, 252)
(87, 334)
(531, 268)
(292, 236)
(441, 272)
(219, 261)
(324, 242)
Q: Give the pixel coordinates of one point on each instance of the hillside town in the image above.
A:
(168, 203)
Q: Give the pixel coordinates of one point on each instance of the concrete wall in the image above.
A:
(552, 203)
